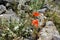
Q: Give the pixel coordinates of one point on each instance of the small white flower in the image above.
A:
(7, 4)
(7, 28)
(3, 34)
(15, 28)
(31, 30)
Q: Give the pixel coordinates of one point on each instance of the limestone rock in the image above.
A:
(11, 0)
(42, 10)
(57, 2)
(2, 8)
(48, 31)
(9, 14)
(56, 37)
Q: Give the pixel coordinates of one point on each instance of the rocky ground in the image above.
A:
(18, 14)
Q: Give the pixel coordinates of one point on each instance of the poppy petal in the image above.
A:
(35, 23)
(36, 14)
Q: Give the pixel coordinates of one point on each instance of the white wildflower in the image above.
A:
(15, 28)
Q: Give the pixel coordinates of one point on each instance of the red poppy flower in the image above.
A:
(36, 14)
(35, 23)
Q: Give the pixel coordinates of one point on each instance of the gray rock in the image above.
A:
(57, 2)
(11, 0)
(48, 31)
(49, 23)
(42, 10)
(2, 8)
(56, 37)
(9, 14)
(10, 11)
(22, 1)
